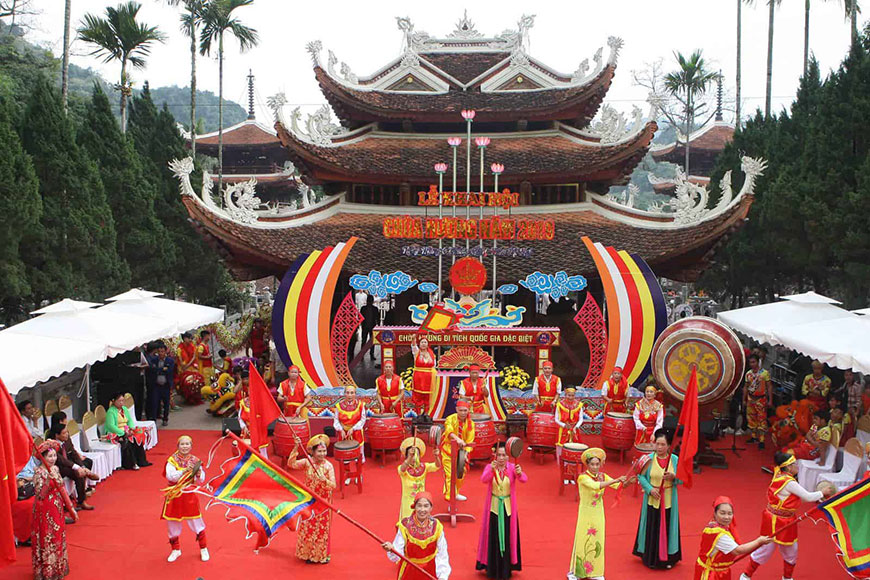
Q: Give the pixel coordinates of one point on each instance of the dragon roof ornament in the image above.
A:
(689, 204)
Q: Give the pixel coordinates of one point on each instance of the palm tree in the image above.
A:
(64, 86)
(772, 4)
(690, 81)
(852, 10)
(189, 23)
(740, 3)
(217, 18)
(120, 37)
(807, 31)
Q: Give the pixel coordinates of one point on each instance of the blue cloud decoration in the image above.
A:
(507, 289)
(382, 285)
(427, 287)
(557, 286)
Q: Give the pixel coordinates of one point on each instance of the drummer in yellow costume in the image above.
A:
(569, 417)
(413, 473)
(204, 362)
(458, 428)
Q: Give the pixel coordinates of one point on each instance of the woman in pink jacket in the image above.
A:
(498, 551)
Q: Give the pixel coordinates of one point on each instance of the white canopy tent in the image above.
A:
(766, 322)
(184, 315)
(810, 324)
(72, 334)
(843, 343)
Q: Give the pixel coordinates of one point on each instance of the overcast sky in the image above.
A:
(364, 34)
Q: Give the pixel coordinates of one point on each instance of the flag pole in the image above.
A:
(337, 511)
(797, 520)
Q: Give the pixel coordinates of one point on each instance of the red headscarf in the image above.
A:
(462, 405)
(733, 527)
(422, 495)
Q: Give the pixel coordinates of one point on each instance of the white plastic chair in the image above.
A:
(151, 440)
(65, 405)
(863, 436)
(809, 470)
(853, 457)
(101, 463)
(90, 441)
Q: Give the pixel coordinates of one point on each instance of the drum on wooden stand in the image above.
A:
(641, 449)
(573, 452)
(283, 440)
(385, 431)
(485, 436)
(714, 352)
(617, 431)
(347, 450)
(542, 430)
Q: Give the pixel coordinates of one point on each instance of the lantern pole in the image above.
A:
(468, 115)
(496, 171)
(440, 169)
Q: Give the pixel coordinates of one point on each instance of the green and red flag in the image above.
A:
(848, 513)
(260, 493)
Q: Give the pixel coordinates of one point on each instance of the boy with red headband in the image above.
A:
(294, 395)
(390, 391)
(784, 497)
(473, 388)
(547, 389)
(614, 391)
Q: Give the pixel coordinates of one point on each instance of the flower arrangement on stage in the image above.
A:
(513, 377)
(407, 377)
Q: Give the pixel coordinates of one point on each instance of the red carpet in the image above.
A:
(124, 537)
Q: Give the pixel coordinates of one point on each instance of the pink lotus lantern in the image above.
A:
(454, 141)
(468, 114)
(497, 168)
(440, 168)
(482, 141)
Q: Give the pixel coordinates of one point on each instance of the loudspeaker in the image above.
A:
(232, 424)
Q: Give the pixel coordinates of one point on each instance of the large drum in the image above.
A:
(641, 449)
(542, 430)
(617, 431)
(346, 450)
(702, 343)
(485, 436)
(573, 452)
(385, 432)
(282, 438)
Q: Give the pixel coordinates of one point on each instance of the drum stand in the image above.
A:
(452, 512)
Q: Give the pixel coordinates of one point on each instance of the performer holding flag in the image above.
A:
(719, 543)
(784, 497)
(474, 390)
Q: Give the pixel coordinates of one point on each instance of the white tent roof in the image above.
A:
(71, 334)
(842, 342)
(863, 311)
(29, 359)
(810, 298)
(117, 332)
(766, 322)
(184, 315)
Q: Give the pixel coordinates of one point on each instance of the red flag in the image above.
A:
(264, 409)
(16, 448)
(689, 422)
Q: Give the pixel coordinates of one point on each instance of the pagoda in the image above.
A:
(560, 145)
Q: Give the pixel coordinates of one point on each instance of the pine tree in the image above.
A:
(143, 242)
(199, 273)
(21, 206)
(74, 254)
